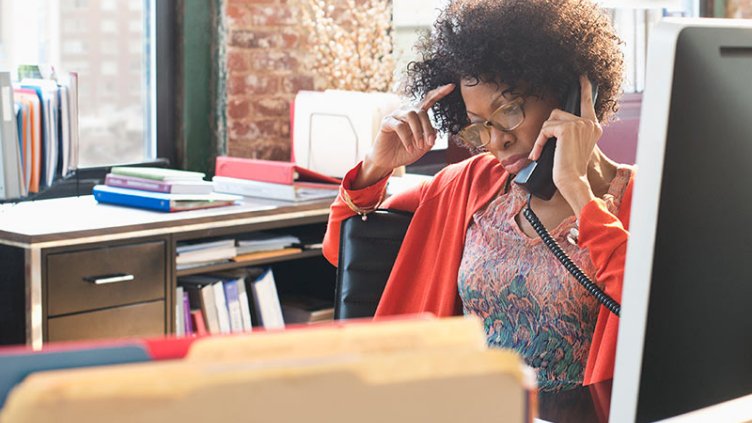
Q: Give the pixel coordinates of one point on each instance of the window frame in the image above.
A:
(165, 55)
(161, 109)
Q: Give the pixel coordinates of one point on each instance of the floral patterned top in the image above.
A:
(525, 297)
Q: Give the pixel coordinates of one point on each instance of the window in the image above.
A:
(108, 5)
(632, 21)
(109, 25)
(73, 47)
(74, 25)
(108, 88)
(116, 125)
(109, 68)
(410, 19)
(135, 47)
(109, 47)
(80, 66)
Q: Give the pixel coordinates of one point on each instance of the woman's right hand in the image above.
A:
(405, 136)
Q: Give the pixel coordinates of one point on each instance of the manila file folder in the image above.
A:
(366, 384)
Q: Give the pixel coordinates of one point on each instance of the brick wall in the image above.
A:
(265, 59)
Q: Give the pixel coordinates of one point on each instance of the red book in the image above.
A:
(199, 327)
(268, 171)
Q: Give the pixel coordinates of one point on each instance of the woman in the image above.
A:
(495, 73)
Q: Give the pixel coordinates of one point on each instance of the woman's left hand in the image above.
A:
(576, 138)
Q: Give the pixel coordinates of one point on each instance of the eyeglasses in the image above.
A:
(506, 118)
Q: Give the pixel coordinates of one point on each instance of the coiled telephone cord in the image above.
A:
(578, 274)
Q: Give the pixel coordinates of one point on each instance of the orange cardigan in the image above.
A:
(424, 276)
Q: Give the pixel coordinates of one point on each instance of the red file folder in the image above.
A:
(268, 171)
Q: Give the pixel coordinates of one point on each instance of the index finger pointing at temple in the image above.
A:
(435, 95)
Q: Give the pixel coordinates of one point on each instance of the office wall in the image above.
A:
(265, 60)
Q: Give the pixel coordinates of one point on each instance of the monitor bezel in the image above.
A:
(651, 147)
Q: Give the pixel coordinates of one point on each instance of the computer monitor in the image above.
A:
(685, 337)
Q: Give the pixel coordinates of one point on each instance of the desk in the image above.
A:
(47, 247)
(584, 404)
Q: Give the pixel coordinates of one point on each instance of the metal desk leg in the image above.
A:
(33, 273)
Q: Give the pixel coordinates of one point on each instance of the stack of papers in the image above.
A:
(265, 241)
(205, 252)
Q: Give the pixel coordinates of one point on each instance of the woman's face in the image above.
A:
(511, 148)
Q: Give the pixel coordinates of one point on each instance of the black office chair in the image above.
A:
(367, 250)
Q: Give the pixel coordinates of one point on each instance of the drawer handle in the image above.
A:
(111, 278)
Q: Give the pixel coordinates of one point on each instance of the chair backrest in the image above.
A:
(367, 251)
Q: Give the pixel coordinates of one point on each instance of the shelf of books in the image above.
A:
(263, 279)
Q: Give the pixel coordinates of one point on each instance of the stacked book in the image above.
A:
(270, 179)
(262, 245)
(160, 189)
(203, 253)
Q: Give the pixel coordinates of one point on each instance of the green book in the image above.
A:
(158, 173)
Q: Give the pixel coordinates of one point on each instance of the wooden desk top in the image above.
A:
(73, 220)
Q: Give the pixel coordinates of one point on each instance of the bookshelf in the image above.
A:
(48, 248)
(212, 268)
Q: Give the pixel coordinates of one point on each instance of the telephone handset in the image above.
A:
(537, 177)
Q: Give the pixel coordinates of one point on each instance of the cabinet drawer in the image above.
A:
(140, 320)
(77, 281)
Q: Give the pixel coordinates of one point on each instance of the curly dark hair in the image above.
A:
(536, 47)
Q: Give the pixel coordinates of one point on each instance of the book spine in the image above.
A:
(159, 174)
(209, 307)
(233, 305)
(187, 315)
(54, 147)
(257, 170)
(136, 183)
(267, 301)
(179, 314)
(223, 313)
(199, 324)
(245, 305)
(123, 199)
